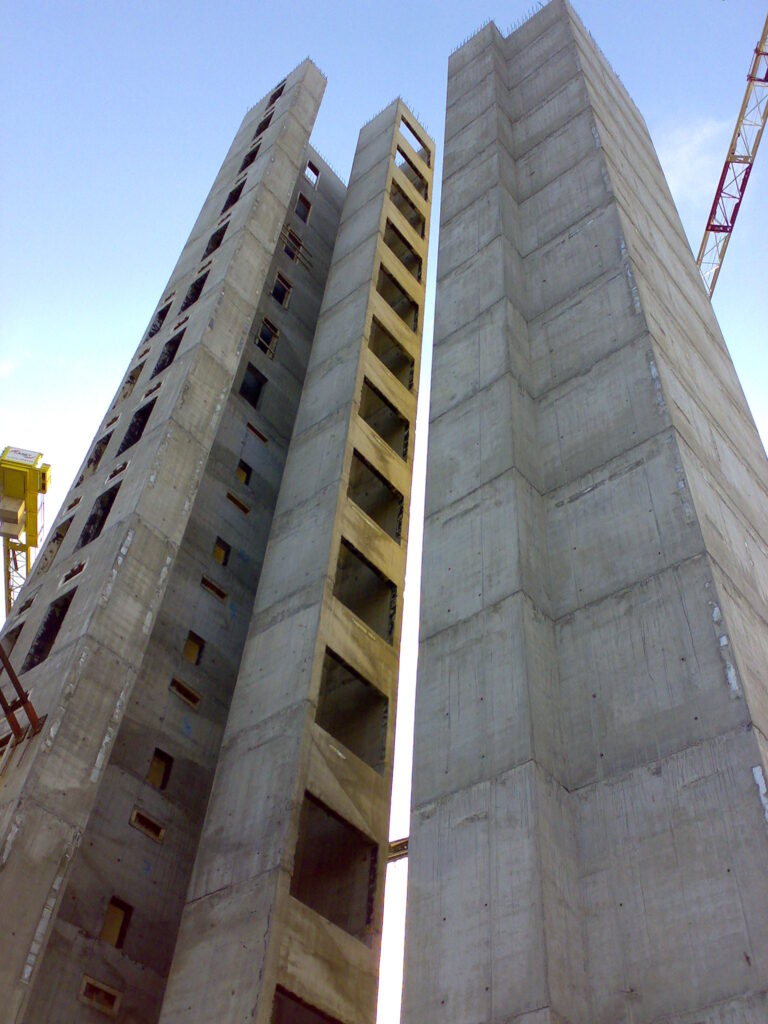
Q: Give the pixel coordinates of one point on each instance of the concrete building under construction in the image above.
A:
(588, 834)
(194, 824)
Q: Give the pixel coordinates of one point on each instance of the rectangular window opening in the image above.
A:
(231, 199)
(186, 693)
(239, 505)
(389, 289)
(312, 173)
(170, 348)
(248, 159)
(136, 427)
(257, 433)
(48, 630)
(252, 385)
(94, 524)
(289, 1009)
(266, 339)
(213, 588)
(276, 94)
(334, 870)
(281, 290)
(412, 173)
(194, 291)
(141, 820)
(404, 205)
(194, 646)
(365, 591)
(303, 206)
(414, 140)
(129, 384)
(45, 561)
(159, 320)
(74, 571)
(243, 472)
(382, 502)
(10, 638)
(353, 711)
(160, 767)
(116, 922)
(76, 501)
(395, 358)
(94, 458)
(292, 246)
(100, 996)
(403, 250)
(221, 551)
(215, 240)
(379, 413)
(263, 124)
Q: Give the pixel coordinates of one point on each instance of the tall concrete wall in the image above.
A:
(283, 916)
(588, 842)
(69, 794)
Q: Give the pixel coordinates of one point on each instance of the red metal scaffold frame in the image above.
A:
(738, 164)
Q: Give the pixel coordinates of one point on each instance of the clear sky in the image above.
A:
(116, 117)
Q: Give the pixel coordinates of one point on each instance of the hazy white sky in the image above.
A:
(117, 116)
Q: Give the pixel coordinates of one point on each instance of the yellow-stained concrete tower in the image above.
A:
(283, 917)
(130, 630)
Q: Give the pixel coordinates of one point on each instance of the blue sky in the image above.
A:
(117, 116)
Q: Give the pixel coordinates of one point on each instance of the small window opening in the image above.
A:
(257, 433)
(365, 591)
(74, 571)
(100, 996)
(153, 390)
(10, 638)
(221, 551)
(194, 646)
(312, 173)
(303, 206)
(402, 304)
(382, 502)
(383, 417)
(113, 421)
(76, 501)
(353, 711)
(48, 630)
(267, 338)
(263, 125)
(213, 588)
(334, 870)
(170, 348)
(403, 250)
(129, 385)
(289, 1009)
(292, 246)
(412, 173)
(252, 385)
(144, 351)
(186, 693)
(413, 139)
(404, 205)
(385, 347)
(116, 922)
(118, 470)
(248, 159)
(141, 820)
(281, 290)
(243, 472)
(160, 769)
(94, 458)
(194, 292)
(159, 320)
(94, 524)
(276, 94)
(136, 427)
(26, 606)
(45, 561)
(239, 505)
(232, 198)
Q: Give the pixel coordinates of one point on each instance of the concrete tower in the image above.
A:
(588, 835)
(131, 629)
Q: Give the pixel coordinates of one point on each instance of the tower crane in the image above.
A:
(738, 165)
(24, 478)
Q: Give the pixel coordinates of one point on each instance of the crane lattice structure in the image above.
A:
(24, 478)
(738, 165)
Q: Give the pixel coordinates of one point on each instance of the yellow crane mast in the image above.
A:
(24, 479)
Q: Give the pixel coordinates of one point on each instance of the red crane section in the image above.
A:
(738, 164)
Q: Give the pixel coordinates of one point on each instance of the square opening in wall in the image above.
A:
(334, 869)
(278, 92)
(144, 823)
(116, 922)
(365, 591)
(266, 339)
(402, 304)
(48, 630)
(353, 711)
(400, 246)
(94, 458)
(293, 245)
(194, 292)
(213, 588)
(239, 505)
(159, 320)
(159, 769)
(185, 692)
(215, 240)
(56, 539)
(263, 125)
(401, 201)
(248, 159)
(233, 196)
(128, 385)
(289, 1009)
(371, 492)
(394, 357)
(411, 172)
(194, 646)
(221, 551)
(170, 348)
(413, 139)
(136, 427)
(252, 385)
(94, 524)
(312, 173)
(10, 638)
(243, 472)
(100, 996)
(303, 207)
(281, 290)
(383, 417)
